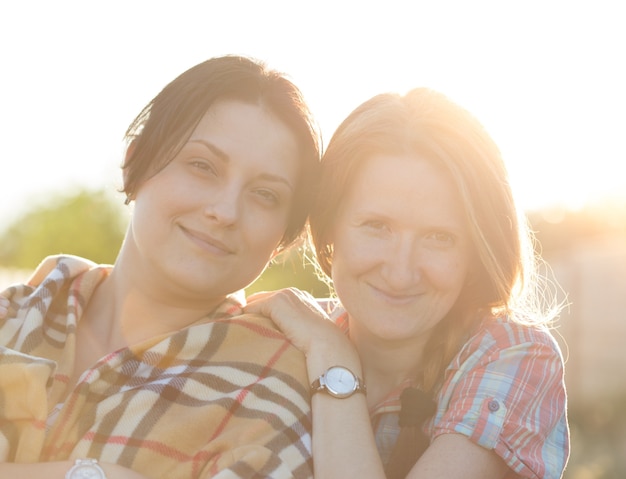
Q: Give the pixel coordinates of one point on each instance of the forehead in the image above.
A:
(403, 185)
(244, 121)
(250, 133)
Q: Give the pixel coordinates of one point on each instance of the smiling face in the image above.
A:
(207, 224)
(401, 249)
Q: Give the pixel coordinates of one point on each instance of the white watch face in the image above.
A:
(86, 472)
(85, 469)
(340, 381)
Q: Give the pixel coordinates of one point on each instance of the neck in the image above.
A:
(125, 310)
(386, 364)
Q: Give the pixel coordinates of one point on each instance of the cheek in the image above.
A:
(263, 230)
(166, 191)
(355, 252)
(448, 273)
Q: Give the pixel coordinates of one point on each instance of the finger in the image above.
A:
(259, 295)
(280, 293)
(257, 306)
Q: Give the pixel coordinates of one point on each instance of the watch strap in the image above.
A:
(318, 386)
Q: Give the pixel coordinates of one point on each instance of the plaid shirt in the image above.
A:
(504, 390)
(226, 397)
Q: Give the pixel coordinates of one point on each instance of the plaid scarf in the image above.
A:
(225, 397)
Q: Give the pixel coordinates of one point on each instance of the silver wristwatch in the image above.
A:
(85, 469)
(339, 382)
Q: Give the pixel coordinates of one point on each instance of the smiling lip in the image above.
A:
(207, 242)
(394, 298)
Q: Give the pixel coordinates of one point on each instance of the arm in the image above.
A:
(505, 393)
(456, 456)
(343, 442)
(57, 470)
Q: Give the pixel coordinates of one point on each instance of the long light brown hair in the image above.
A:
(503, 277)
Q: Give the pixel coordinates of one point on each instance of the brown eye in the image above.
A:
(268, 196)
(376, 225)
(442, 238)
(204, 166)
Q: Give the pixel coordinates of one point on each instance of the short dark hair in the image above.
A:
(165, 123)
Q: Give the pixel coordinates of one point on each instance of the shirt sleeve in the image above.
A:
(506, 393)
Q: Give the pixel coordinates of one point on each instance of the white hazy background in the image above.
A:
(547, 79)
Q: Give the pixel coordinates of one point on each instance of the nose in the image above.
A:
(400, 269)
(223, 205)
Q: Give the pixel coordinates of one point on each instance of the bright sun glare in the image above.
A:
(545, 79)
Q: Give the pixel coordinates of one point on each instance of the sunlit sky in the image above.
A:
(545, 77)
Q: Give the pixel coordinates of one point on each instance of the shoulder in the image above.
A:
(63, 266)
(51, 280)
(506, 357)
(234, 383)
(496, 336)
(505, 391)
(246, 342)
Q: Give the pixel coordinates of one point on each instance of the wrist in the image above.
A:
(85, 469)
(338, 382)
(325, 355)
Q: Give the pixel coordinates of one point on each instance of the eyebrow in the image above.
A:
(216, 151)
(223, 156)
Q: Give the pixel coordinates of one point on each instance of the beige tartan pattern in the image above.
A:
(227, 397)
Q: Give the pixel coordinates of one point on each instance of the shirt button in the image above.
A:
(493, 405)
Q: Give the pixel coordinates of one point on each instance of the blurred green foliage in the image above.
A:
(292, 268)
(92, 224)
(84, 223)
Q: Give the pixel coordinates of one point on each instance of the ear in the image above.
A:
(130, 151)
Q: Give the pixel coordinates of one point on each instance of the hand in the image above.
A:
(298, 315)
